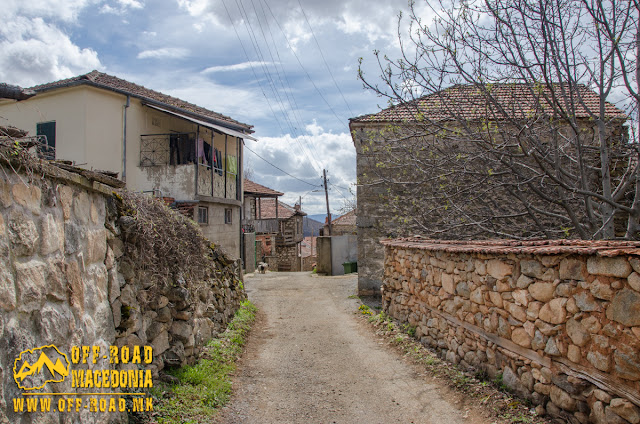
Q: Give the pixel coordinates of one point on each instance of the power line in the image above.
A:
(280, 169)
(325, 60)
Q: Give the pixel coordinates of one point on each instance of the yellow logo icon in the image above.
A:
(36, 367)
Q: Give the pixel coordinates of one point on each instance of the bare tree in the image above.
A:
(502, 120)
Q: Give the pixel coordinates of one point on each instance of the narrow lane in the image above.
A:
(310, 360)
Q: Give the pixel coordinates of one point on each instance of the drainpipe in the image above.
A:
(124, 139)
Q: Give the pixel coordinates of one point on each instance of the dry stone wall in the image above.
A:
(65, 281)
(559, 321)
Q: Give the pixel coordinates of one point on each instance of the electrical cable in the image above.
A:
(281, 170)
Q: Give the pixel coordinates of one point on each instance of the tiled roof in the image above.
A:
(254, 188)
(102, 80)
(534, 247)
(348, 218)
(268, 210)
(468, 102)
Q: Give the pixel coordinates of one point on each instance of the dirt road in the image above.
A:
(311, 360)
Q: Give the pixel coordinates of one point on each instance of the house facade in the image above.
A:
(412, 133)
(156, 143)
(278, 227)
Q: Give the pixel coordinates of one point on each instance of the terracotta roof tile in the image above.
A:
(533, 247)
(251, 187)
(99, 79)
(467, 102)
(348, 218)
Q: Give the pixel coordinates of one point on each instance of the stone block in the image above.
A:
(30, 284)
(23, 234)
(55, 323)
(56, 283)
(634, 281)
(82, 207)
(515, 311)
(96, 245)
(7, 288)
(523, 281)
(562, 399)
(447, 283)
(499, 269)
(75, 285)
(496, 299)
(6, 197)
(571, 269)
(520, 337)
(625, 308)
(586, 302)
(613, 267)
(551, 347)
(52, 235)
(543, 292)
(554, 312)
(601, 290)
(599, 360)
(578, 334)
(626, 410)
(574, 354)
(65, 194)
(27, 196)
(182, 330)
(521, 298)
(531, 268)
(627, 363)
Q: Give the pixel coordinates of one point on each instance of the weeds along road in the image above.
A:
(309, 359)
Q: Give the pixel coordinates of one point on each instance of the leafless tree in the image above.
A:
(502, 120)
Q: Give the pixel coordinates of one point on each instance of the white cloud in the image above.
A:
(133, 4)
(33, 51)
(236, 67)
(164, 53)
(66, 10)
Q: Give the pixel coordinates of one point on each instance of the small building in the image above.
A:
(278, 227)
(342, 225)
(156, 143)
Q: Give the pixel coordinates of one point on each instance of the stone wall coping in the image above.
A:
(606, 248)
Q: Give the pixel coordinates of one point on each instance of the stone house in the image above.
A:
(425, 118)
(156, 143)
(278, 229)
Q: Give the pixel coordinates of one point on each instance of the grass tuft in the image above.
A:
(206, 386)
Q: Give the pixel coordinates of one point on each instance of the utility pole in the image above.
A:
(326, 195)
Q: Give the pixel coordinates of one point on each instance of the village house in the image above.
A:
(278, 230)
(157, 144)
(342, 225)
(375, 137)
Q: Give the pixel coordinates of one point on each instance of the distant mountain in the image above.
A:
(319, 217)
(311, 225)
(26, 370)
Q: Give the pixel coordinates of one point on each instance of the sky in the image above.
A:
(287, 67)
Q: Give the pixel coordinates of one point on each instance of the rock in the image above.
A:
(634, 281)
(554, 311)
(462, 289)
(531, 268)
(599, 360)
(127, 296)
(571, 269)
(613, 418)
(527, 380)
(496, 298)
(82, 207)
(74, 236)
(625, 308)
(577, 332)
(586, 302)
(164, 314)
(96, 245)
(28, 196)
(542, 388)
(627, 363)
(477, 296)
(520, 296)
(602, 395)
(504, 329)
(538, 341)
(30, 284)
(178, 294)
(523, 281)
(625, 409)
(564, 290)
(499, 269)
(613, 267)
(161, 343)
(447, 283)
(520, 337)
(23, 234)
(551, 348)
(543, 292)
(574, 354)
(54, 323)
(7, 289)
(562, 399)
(52, 235)
(597, 413)
(516, 311)
(181, 329)
(510, 379)
(175, 356)
(601, 290)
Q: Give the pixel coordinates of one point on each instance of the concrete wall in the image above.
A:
(67, 279)
(558, 320)
(323, 246)
(249, 252)
(343, 249)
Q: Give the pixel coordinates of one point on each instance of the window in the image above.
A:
(46, 131)
(228, 216)
(203, 215)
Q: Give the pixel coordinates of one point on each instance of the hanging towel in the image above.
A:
(232, 165)
(219, 161)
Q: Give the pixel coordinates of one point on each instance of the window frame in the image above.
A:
(203, 215)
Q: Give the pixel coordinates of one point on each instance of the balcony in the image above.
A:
(181, 150)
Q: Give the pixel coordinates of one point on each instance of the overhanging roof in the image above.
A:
(219, 128)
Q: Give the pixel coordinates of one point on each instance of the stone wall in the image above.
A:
(559, 321)
(64, 280)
